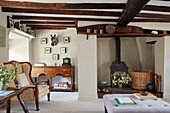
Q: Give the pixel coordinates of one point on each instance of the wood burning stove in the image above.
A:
(118, 66)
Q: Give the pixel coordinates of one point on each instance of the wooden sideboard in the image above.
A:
(52, 71)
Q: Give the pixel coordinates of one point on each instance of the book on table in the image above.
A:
(5, 93)
(149, 96)
(124, 101)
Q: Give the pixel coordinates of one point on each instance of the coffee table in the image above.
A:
(143, 106)
(15, 93)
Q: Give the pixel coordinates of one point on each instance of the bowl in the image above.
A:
(101, 84)
(144, 93)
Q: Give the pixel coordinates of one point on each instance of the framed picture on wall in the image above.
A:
(31, 32)
(2, 36)
(63, 50)
(47, 50)
(66, 39)
(43, 40)
(55, 57)
(10, 22)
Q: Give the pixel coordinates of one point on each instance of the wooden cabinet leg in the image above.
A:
(8, 107)
(22, 104)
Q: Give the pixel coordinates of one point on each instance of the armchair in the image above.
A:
(35, 92)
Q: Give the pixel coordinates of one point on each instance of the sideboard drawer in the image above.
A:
(50, 70)
(67, 75)
(37, 70)
(65, 70)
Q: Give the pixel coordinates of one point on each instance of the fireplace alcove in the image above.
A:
(119, 66)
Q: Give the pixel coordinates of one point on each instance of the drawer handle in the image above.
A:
(64, 69)
(50, 69)
(67, 74)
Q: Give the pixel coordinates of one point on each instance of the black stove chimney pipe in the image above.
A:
(117, 40)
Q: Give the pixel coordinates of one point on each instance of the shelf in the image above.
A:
(21, 33)
(125, 34)
(60, 89)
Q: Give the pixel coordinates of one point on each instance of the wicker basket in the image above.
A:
(140, 79)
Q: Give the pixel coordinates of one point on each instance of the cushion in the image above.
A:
(22, 80)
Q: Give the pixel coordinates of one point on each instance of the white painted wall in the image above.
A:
(159, 60)
(166, 66)
(4, 50)
(38, 54)
(129, 54)
(87, 70)
(19, 48)
(162, 63)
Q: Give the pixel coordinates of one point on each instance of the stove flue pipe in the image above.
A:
(118, 49)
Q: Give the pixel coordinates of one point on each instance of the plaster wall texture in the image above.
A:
(87, 70)
(4, 50)
(19, 48)
(39, 55)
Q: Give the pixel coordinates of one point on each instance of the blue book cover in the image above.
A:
(5, 93)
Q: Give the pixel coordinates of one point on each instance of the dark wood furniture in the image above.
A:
(52, 71)
(15, 93)
(124, 90)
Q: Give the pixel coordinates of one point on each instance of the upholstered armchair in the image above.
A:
(35, 92)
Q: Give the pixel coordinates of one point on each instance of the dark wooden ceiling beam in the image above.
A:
(66, 12)
(61, 18)
(46, 22)
(151, 20)
(157, 8)
(47, 27)
(32, 18)
(33, 26)
(79, 12)
(18, 4)
(62, 5)
(132, 8)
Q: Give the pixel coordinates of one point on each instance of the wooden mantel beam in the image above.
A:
(132, 8)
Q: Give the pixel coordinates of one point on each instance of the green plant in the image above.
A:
(120, 79)
(7, 76)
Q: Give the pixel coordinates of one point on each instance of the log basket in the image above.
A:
(140, 79)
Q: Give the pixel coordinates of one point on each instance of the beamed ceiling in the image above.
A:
(58, 14)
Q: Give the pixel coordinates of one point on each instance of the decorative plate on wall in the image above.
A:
(110, 29)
